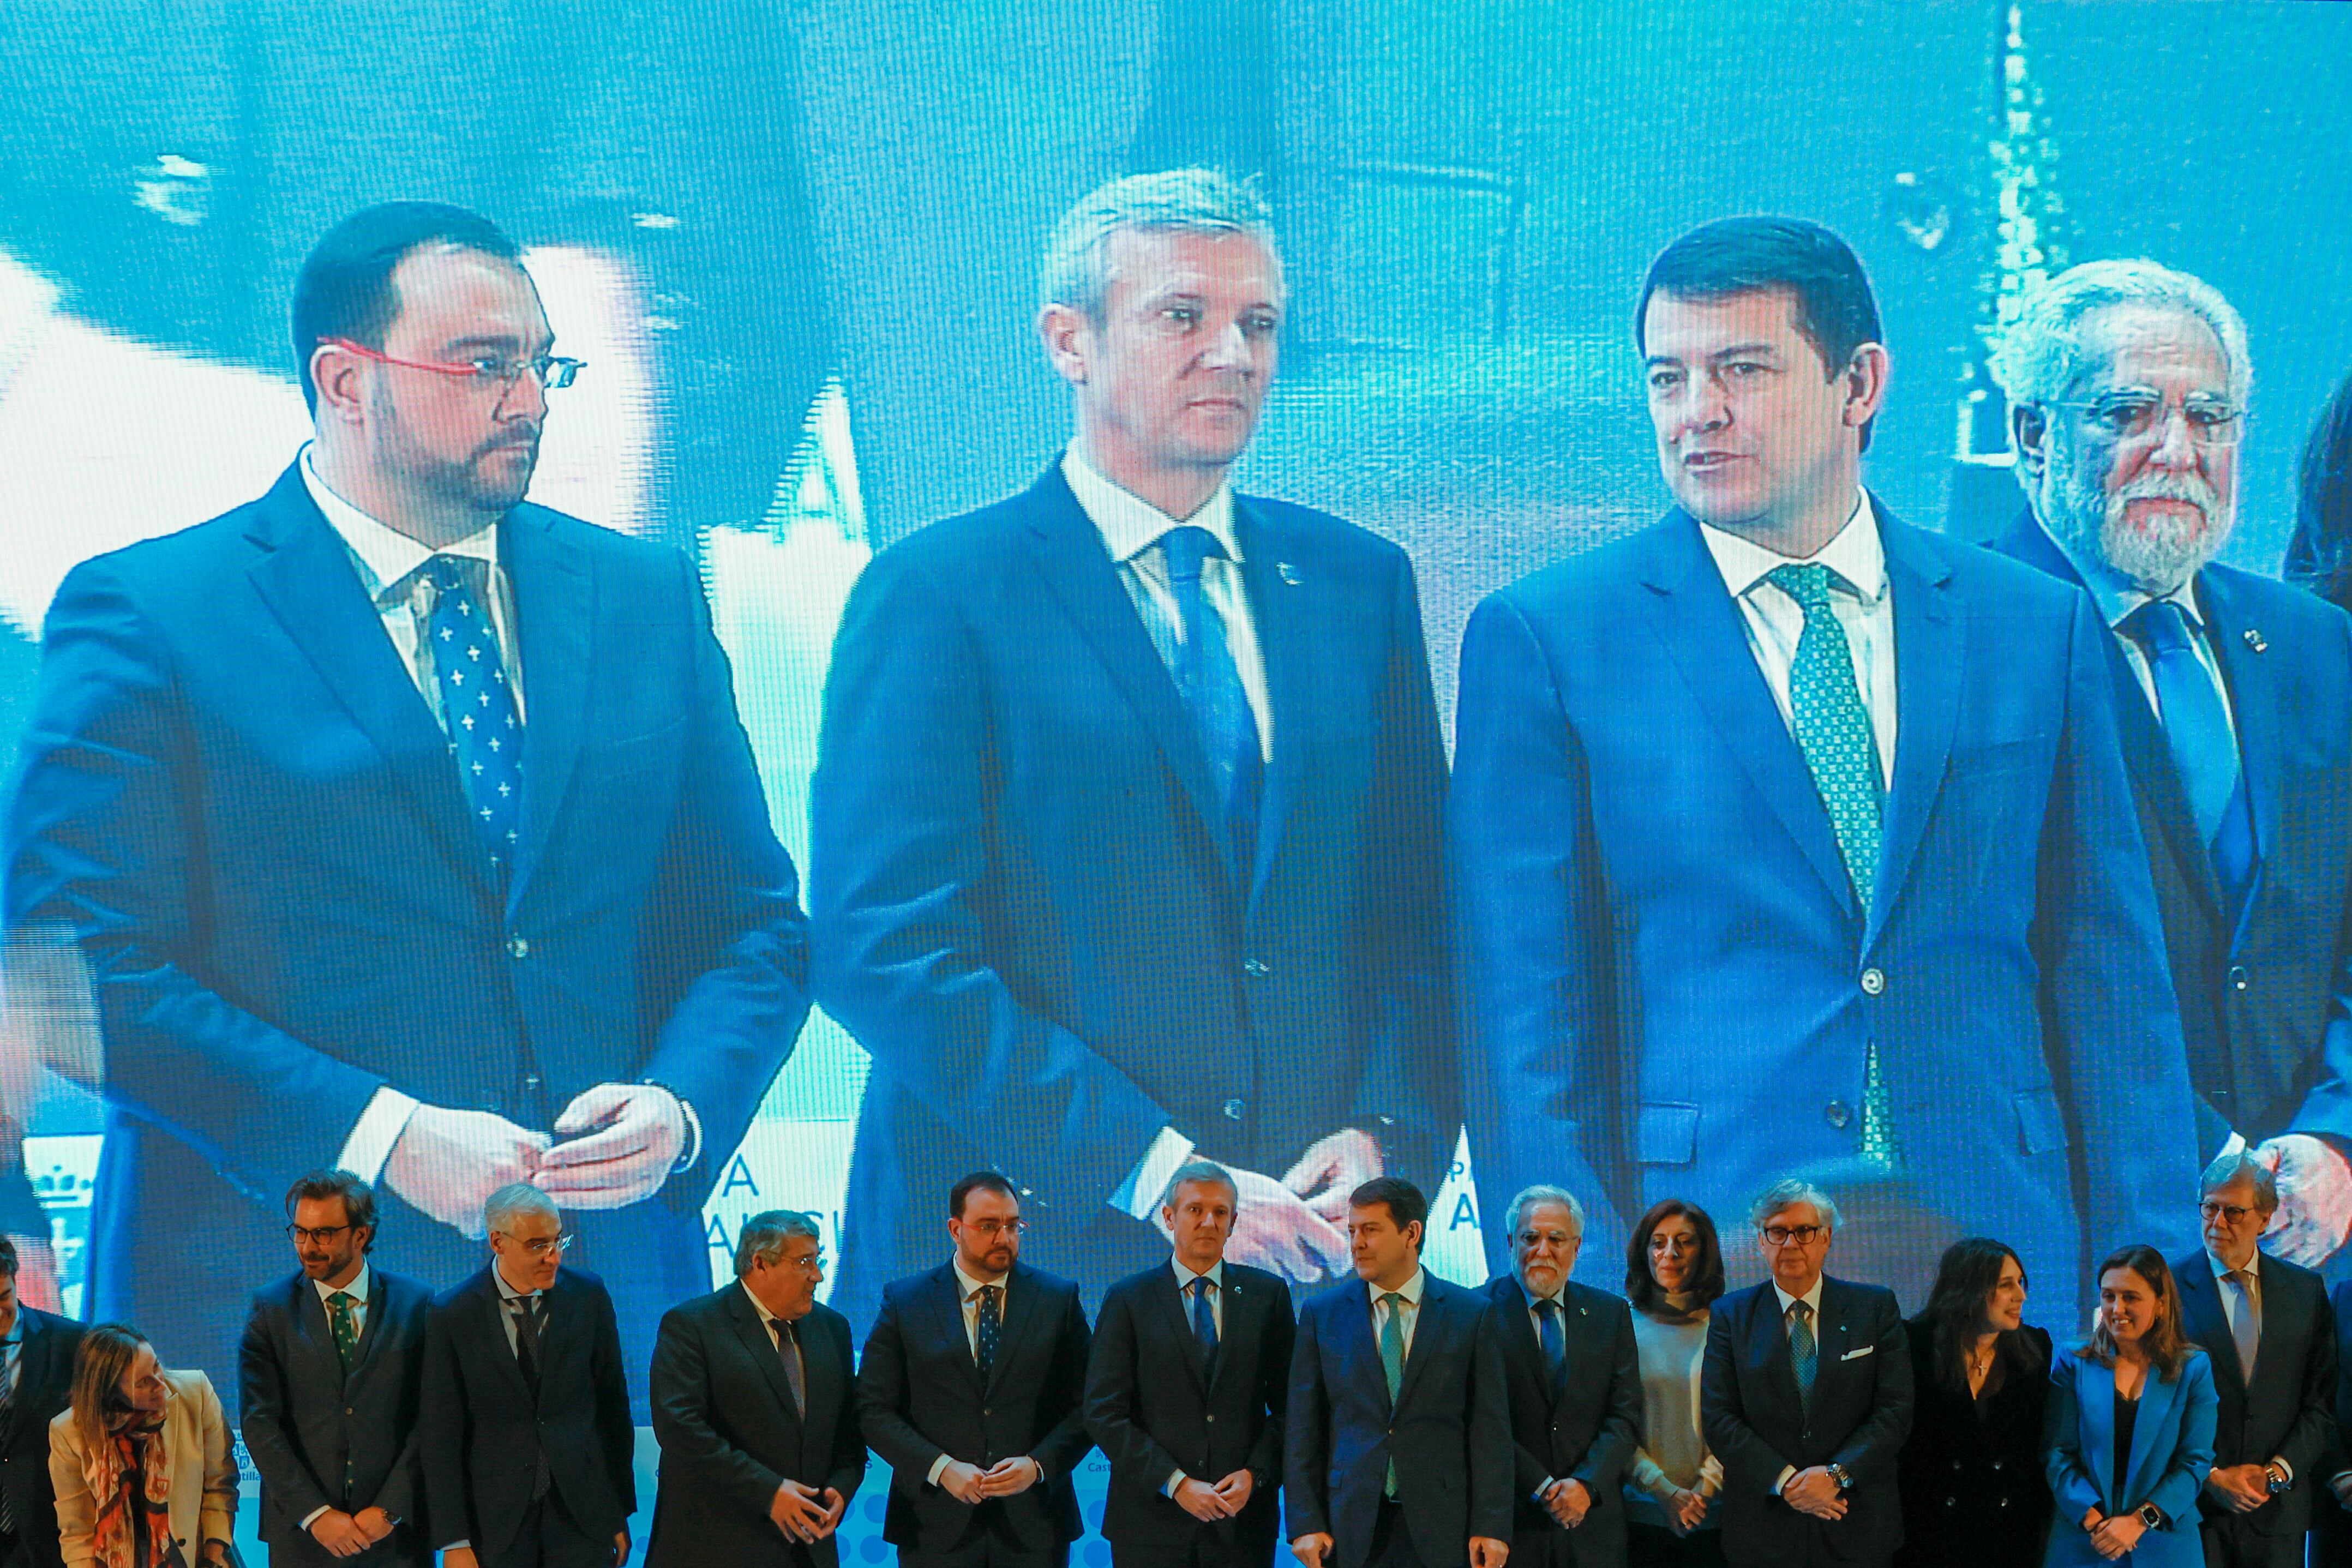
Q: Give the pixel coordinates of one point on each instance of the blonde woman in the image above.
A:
(140, 1460)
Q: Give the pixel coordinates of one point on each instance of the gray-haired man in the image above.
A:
(1126, 803)
(2127, 383)
(755, 1407)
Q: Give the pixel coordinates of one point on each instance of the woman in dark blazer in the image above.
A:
(1971, 1475)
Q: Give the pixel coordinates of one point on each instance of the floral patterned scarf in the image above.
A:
(130, 1475)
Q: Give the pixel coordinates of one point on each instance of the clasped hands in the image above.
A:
(1815, 1492)
(1297, 1225)
(2113, 1535)
(2243, 1488)
(805, 1512)
(1567, 1501)
(1211, 1503)
(613, 1145)
(349, 1534)
(970, 1484)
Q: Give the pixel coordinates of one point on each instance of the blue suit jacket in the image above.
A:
(1024, 913)
(2263, 991)
(235, 800)
(2172, 1449)
(1448, 1431)
(1670, 986)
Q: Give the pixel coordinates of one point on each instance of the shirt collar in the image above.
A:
(1214, 1273)
(357, 1290)
(971, 1287)
(759, 1306)
(1856, 555)
(1559, 1295)
(1410, 1290)
(508, 1292)
(1813, 1299)
(385, 556)
(2116, 595)
(1129, 525)
(2222, 1269)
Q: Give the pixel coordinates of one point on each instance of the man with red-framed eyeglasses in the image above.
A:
(406, 827)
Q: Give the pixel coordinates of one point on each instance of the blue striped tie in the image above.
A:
(2197, 732)
(1212, 687)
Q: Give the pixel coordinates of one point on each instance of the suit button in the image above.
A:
(1951, 1502)
(347, 1409)
(517, 947)
(1213, 1420)
(1236, 1110)
(1996, 1464)
(1837, 1113)
(1873, 982)
(2238, 977)
(986, 1411)
(1258, 969)
(2002, 1503)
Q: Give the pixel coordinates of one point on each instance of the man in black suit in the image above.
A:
(2272, 1334)
(1806, 1398)
(1185, 1393)
(970, 1389)
(1397, 1447)
(1576, 1389)
(1126, 803)
(2126, 383)
(525, 1432)
(37, 1358)
(755, 1405)
(328, 1372)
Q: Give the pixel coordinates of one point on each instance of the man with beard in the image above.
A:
(406, 827)
(2127, 384)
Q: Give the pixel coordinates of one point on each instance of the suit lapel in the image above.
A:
(1930, 659)
(2256, 700)
(1519, 1339)
(2155, 1397)
(491, 1312)
(1428, 1330)
(2206, 1319)
(316, 1332)
(1691, 612)
(946, 1298)
(768, 1355)
(1169, 1299)
(1282, 604)
(305, 578)
(1020, 1311)
(1780, 1363)
(555, 616)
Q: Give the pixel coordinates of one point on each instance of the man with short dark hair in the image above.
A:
(406, 827)
(37, 1363)
(755, 1406)
(1785, 834)
(1397, 1445)
(1186, 1389)
(330, 1372)
(970, 1389)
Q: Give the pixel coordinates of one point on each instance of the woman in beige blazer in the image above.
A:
(140, 1460)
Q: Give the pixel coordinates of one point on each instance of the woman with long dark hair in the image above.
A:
(140, 1460)
(1970, 1472)
(1673, 1272)
(2320, 553)
(2128, 1436)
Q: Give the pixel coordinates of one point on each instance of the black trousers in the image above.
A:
(1653, 1546)
(2236, 1543)
(552, 1537)
(1205, 1552)
(988, 1552)
(1392, 1541)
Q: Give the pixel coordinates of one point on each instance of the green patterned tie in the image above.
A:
(346, 1330)
(1841, 748)
(1392, 1362)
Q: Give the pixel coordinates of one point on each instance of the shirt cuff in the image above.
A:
(2284, 1468)
(937, 1464)
(1138, 1195)
(378, 1129)
(1548, 1482)
(1175, 1480)
(310, 1518)
(1787, 1473)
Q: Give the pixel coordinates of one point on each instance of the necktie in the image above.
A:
(992, 1328)
(2197, 732)
(1204, 1316)
(10, 1348)
(477, 707)
(1554, 1342)
(2246, 1323)
(1212, 687)
(1392, 1362)
(1805, 1354)
(345, 1327)
(526, 1316)
(788, 1346)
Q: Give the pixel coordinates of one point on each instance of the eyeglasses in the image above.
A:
(2228, 1211)
(551, 371)
(303, 1235)
(812, 1264)
(985, 1228)
(538, 1246)
(1794, 1234)
(2132, 415)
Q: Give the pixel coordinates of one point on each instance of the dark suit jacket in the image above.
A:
(1755, 1423)
(1660, 935)
(44, 1387)
(1970, 1474)
(1448, 1431)
(483, 1438)
(730, 1432)
(235, 797)
(1030, 921)
(1584, 1429)
(919, 1394)
(306, 1422)
(1154, 1407)
(2286, 1411)
(2270, 1050)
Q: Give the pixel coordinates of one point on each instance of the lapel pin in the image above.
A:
(1287, 572)
(2255, 640)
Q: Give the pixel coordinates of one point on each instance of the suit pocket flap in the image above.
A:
(1666, 1135)
(2040, 1125)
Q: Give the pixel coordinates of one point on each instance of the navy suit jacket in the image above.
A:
(2287, 1409)
(2171, 1454)
(920, 1394)
(1448, 1431)
(1026, 917)
(2263, 990)
(307, 1423)
(44, 1387)
(237, 802)
(1670, 987)
(1584, 1427)
(1858, 1417)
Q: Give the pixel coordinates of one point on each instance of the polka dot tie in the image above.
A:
(477, 707)
(1841, 748)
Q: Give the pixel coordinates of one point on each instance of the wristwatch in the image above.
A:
(2276, 1479)
(2151, 1516)
(1838, 1474)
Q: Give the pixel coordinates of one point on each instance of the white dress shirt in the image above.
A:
(1184, 1278)
(1813, 1300)
(2117, 598)
(1859, 597)
(358, 1291)
(1407, 1311)
(970, 1288)
(769, 1321)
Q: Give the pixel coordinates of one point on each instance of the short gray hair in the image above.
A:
(2240, 1166)
(1542, 1192)
(1199, 1171)
(511, 1202)
(1788, 1192)
(1076, 270)
(2042, 352)
(762, 1237)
